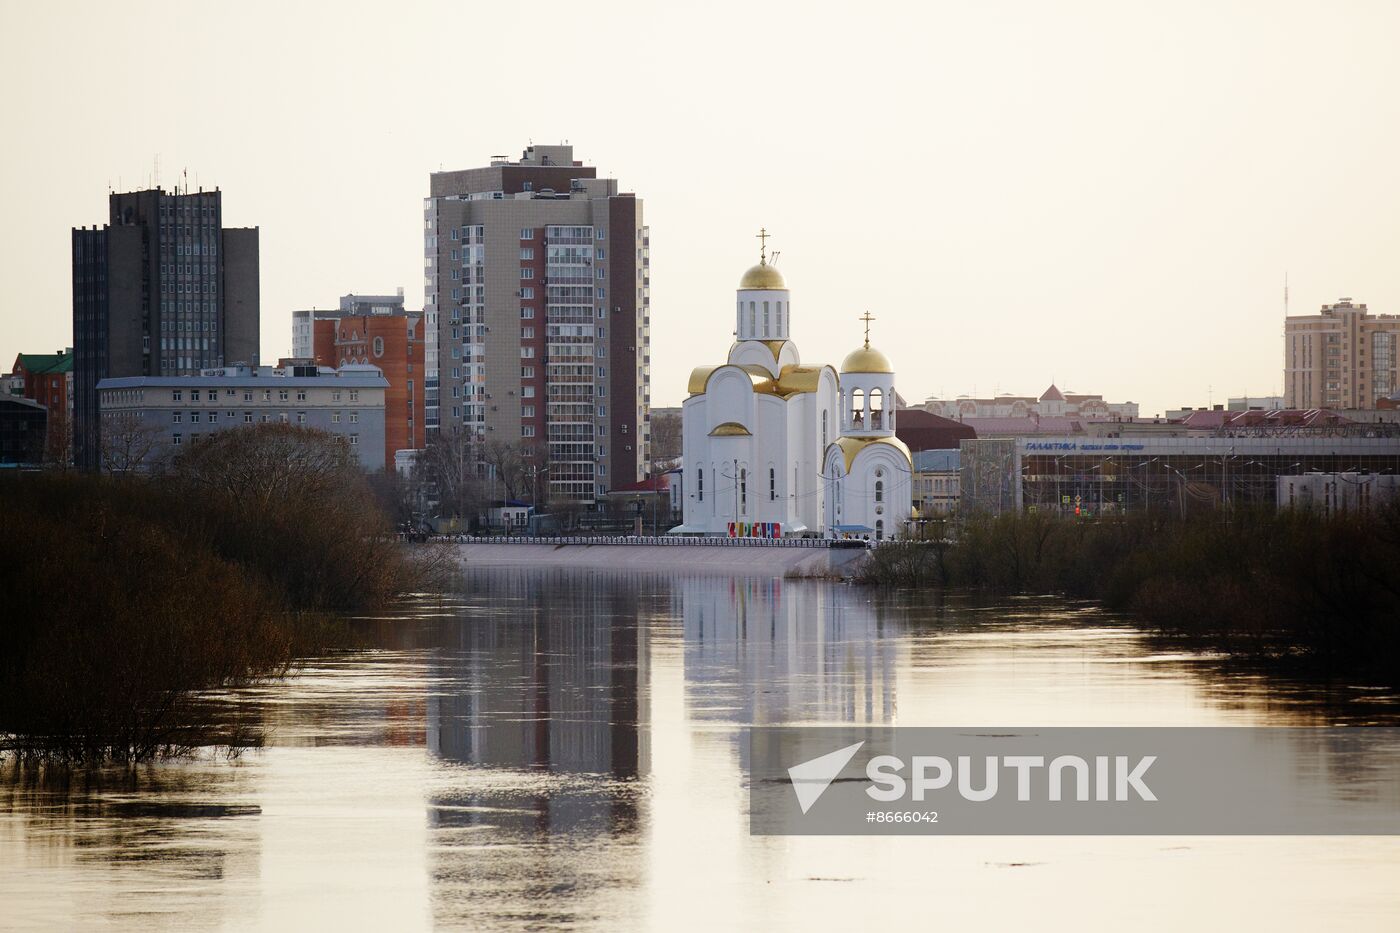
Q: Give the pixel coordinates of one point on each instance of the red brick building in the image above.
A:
(394, 343)
(48, 380)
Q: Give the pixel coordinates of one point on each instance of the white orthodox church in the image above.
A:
(775, 448)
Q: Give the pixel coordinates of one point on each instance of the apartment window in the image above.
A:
(602, 293)
(335, 417)
(600, 253)
(527, 333)
(527, 293)
(247, 417)
(354, 417)
(527, 252)
(602, 411)
(527, 372)
(527, 391)
(527, 353)
(175, 439)
(527, 273)
(194, 417)
(175, 395)
(247, 396)
(527, 430)
(213, 417)
(527, 411)
(281, 395)
(354, 395)
(267, 395)
(301, 417)
(174, 417)
(527, 233)
(335, 396)
(601, 235)
(527, 314)
(194, 395)
(599, 274)
(301, 395)
(354, 439)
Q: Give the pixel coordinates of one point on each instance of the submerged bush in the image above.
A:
(126, 600)
(1287, 583)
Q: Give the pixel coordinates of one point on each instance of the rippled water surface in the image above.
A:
(558, 748)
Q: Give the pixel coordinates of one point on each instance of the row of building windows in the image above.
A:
(212, 417)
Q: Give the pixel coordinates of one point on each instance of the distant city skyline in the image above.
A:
(1101, 196)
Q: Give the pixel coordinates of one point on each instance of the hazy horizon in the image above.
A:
(1102, 195)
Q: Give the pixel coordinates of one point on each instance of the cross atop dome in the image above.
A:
(867, 317)
(763, 235)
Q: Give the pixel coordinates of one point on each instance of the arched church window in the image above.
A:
(772, 484)
(824, 429)
(877, 408)
(753, 318)
(880, 529)
(766, 331)
(744, 491)
(700, 484)
(857, 408)
(879, 490)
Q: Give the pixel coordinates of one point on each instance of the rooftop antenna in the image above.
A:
(776, 254)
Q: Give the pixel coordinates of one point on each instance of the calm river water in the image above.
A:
(557, 748)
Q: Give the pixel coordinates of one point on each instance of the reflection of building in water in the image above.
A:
(772, 651)
(540, 683)
(543, 674)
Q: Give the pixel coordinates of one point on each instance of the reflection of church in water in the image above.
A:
(775, 447)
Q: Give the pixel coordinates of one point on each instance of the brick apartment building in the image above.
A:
(537, 307)
(374, 329)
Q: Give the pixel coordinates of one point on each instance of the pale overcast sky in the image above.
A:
(1106, 194)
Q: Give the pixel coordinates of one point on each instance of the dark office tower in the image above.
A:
(162, 290)
(537, 298)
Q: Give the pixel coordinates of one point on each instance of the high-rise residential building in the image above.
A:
(537, 306)
(163, 289)
(1341, 357)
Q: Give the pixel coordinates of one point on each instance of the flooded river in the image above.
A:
(566, 748)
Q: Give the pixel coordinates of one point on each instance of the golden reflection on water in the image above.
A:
(557, 748)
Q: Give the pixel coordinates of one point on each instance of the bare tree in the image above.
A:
(130, 444)
(450, 464)
(665, 441)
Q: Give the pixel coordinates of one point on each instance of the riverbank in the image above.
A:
(720, 559)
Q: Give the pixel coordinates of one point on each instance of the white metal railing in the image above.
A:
(653, 540)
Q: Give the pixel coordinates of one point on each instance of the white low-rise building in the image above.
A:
(145, 419)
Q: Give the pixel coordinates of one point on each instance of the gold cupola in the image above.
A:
(762, 277)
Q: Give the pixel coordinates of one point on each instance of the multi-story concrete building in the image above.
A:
(23, 427)
(1341, 357)
(1089, 476)
(937, 477)
(147, 418)
(537, 306)
(164, 289)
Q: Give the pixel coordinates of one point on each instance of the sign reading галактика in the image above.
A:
(1074, 781)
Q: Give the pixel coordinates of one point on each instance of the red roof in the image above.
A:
(1052, 394)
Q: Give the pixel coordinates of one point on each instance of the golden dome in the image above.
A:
(730, 429)
(866, 360)
(762, 276)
